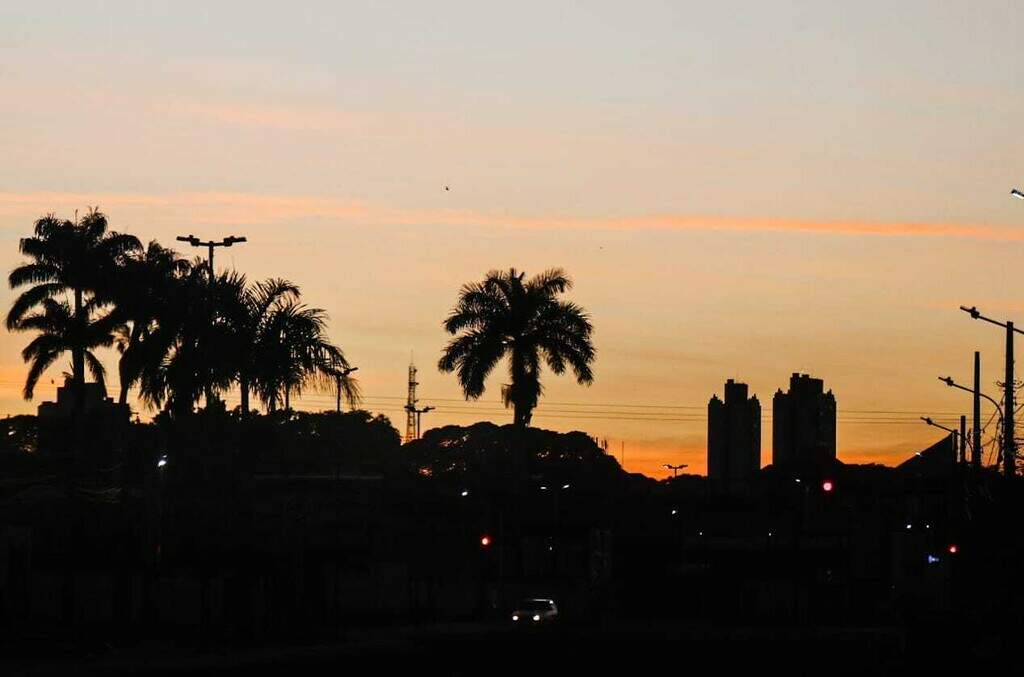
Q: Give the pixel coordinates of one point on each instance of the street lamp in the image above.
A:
(1009, 443)
(339, 378)
(210, 244)
(957, 438)
(418, 413)
(948, 380)
(675, 468)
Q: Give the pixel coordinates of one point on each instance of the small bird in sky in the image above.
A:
(447, 188)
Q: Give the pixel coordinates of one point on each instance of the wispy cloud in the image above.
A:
(256, 209)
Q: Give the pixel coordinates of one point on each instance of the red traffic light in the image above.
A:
(952, 548)
(827, 486)
(485, 540)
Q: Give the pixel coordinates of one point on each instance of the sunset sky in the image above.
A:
(737, 191)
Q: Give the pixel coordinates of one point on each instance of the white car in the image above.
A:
(535, 612)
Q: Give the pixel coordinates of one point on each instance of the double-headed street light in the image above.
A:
(419, 412)
(1009, 443)
(675, 468)
(339, 378)
(210, 244)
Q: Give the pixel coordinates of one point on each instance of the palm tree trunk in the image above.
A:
(122, 365)
(78, 350)
(243, 387)
(520, 400)
(287, 398)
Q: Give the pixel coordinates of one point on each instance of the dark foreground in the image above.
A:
(497, 649)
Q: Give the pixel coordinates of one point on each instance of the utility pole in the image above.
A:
(1009, 443)
(976, 441)
(963, 440)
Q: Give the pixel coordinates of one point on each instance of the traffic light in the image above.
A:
(485, 541)
(827, 486)
(952, 549)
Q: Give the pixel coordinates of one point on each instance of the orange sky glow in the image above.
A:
(745, 194)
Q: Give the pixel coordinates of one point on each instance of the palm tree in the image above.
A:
(293, 353)
(250, 312)
(58, 333)
(190, 352)
(505, 316)
(68, 257)
(141, 294)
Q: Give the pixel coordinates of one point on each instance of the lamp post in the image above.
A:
(1009, 443)
(420, 412)
(976, 446)
(210, 244)
(339, 378)
(957, 440)
(948, 380)
(675, 468)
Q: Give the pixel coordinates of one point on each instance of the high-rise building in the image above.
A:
(734, 435)
(803, 423)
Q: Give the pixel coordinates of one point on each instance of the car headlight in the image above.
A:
(515, 617)
(536, 617)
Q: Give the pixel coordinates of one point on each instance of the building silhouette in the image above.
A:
(102, 425)
(803, 423)
(734, 435)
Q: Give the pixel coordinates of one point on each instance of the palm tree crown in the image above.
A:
(143, 289)
(524, 320)
(76, 258)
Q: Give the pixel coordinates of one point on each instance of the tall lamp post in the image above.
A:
(210, 245)
(420, 412)
(339, 378)
(976, 451)
(957, 439)
(1009, 443)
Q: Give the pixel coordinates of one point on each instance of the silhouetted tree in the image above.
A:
(293, 353)
(75, 258)
(191, 350)
(505, 316)
(142, 289)
(59, 332)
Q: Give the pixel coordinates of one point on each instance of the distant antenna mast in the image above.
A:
(412, 413)
(410, 406)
